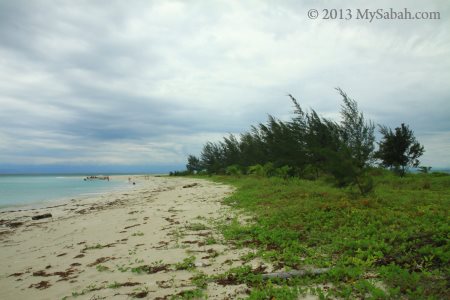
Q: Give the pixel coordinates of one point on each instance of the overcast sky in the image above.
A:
(139, 85)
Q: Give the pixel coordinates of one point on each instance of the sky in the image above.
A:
(136, 86)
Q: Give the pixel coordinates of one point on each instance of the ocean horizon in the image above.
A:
(18, 190)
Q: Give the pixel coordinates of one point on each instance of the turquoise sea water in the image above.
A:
(20, 190)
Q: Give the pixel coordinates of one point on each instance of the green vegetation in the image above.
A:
(400, 149)
(310, 146)
(319, 201)
(390, 244)
(102, 268)
(196, 226)
(114, 285)
(187, 264)
(190, 294)
(139, 233)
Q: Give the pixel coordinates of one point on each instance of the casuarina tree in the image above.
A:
(399, 149)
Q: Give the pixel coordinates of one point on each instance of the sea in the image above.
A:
(37, 190)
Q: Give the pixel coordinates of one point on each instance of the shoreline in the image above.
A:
(47, 203)
(151, 240)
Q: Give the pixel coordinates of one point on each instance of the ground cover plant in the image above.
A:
(389, 244)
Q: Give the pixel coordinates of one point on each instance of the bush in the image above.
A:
(234, 170)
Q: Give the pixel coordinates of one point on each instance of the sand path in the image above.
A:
(132, 243)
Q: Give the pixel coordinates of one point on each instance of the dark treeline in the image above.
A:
(309, 146)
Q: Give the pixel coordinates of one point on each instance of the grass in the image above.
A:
(392, 243)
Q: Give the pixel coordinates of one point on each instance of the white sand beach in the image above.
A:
(95, 248)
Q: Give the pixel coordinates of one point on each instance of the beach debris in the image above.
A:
(100, 260)
(64, 275)
(190, 185)
(96, 178)
(131, 226)
(295, 273)
(40, 285)
(15, 224)
(141, 294)
(43, 216)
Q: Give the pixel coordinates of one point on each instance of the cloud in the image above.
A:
(147, 82)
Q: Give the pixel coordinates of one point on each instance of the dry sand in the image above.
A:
(88, 248)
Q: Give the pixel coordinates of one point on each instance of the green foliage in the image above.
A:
(187, 264)
(307, 146)
(200, 280)
(233, 170)
(399, 150)
(102, 268)
(194, 165)
(256, 170)
(196, 226)
(212, 158)
(283, 171)
(270, 291)
(190, 294)
(239, 275)
(114, 285)
(357, 134)
(180, 173)
(399, 234)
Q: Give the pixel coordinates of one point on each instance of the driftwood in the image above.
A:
(295, 273)
(190, 185)
(43, 216)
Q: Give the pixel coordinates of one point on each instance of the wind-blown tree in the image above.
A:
(194, 164)
(322, 142)
(357, 133)
(399, 150)
(212, 158)
(252, 148)
(356, 153)
(308, 145)
(280, 143)
(230, 150)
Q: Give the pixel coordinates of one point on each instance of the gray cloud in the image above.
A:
(147, 82)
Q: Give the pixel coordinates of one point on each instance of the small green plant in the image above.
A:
(97, 246)
(187, 264)
(200, 280)
(122, 268)
(177, 235)
(270, 291)
(190, 294)
(197, 226)
(239, 275)
(138, 234)
(102, 268)
(248, 257)
(210, 240)
(114, 285)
